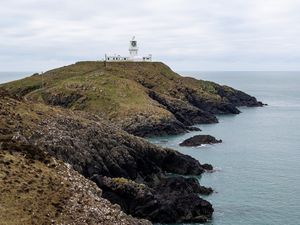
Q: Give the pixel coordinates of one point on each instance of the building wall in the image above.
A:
(124, 58)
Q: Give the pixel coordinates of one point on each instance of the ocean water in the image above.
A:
(257, 181)
(10, 76)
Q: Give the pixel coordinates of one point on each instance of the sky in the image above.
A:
(216, 35)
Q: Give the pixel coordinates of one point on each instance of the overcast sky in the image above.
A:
(36, 35)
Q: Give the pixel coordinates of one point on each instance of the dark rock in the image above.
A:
(182, 185)
(200, 219)
(188, 166)
(146, 128)
(193, 129)
(231, 99)
(212, 107)
(199, 140)
(207, 167)
(97, 151)
(183, 111)
(173, 200)
(205, 190)
(237, 98)
(94, 150)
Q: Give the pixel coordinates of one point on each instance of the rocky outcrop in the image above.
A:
(183, 185)
(184, 112)
(101, 151)
(173, 200)
(238, 98)
(146, 127)
(198, 140)
(94, 149)
(208, 105)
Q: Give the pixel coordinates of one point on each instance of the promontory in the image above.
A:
(72, 147)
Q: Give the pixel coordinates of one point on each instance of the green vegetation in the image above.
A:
(118, 91)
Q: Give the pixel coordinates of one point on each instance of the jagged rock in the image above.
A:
(183, 111)
(173, 200)
(198, 140)
(238, 98)
(212, 107)
(94, 149)
(147, 127)
(207, 167)
(182, 185)
(193, 129)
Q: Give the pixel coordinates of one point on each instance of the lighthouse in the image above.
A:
(133, 54)
(133, 48)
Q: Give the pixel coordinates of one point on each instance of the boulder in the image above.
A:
(198, 140)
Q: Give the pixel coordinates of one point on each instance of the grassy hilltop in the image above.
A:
(144, 98)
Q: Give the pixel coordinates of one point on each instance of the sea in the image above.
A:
(257, 177)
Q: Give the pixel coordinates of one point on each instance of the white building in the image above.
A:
(133, 54)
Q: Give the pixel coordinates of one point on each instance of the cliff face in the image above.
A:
(130, 171)
(142, 98)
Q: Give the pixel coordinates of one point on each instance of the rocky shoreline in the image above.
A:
(90, 116)
(130, 171)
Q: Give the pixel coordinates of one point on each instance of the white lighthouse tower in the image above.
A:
(133, 51)
(133, 48)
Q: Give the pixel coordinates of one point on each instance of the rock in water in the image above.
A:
(200, 140)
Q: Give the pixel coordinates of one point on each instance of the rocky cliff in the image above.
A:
(88, 115)
(130, 171)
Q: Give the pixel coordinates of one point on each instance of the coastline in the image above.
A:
(130, 171)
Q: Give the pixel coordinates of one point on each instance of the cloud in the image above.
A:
(187, 34)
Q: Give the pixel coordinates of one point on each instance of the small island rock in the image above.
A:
(198, 140)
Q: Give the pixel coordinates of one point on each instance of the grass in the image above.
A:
(31, 192)
(118, 90)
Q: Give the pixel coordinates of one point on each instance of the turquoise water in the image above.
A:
(258, 163)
